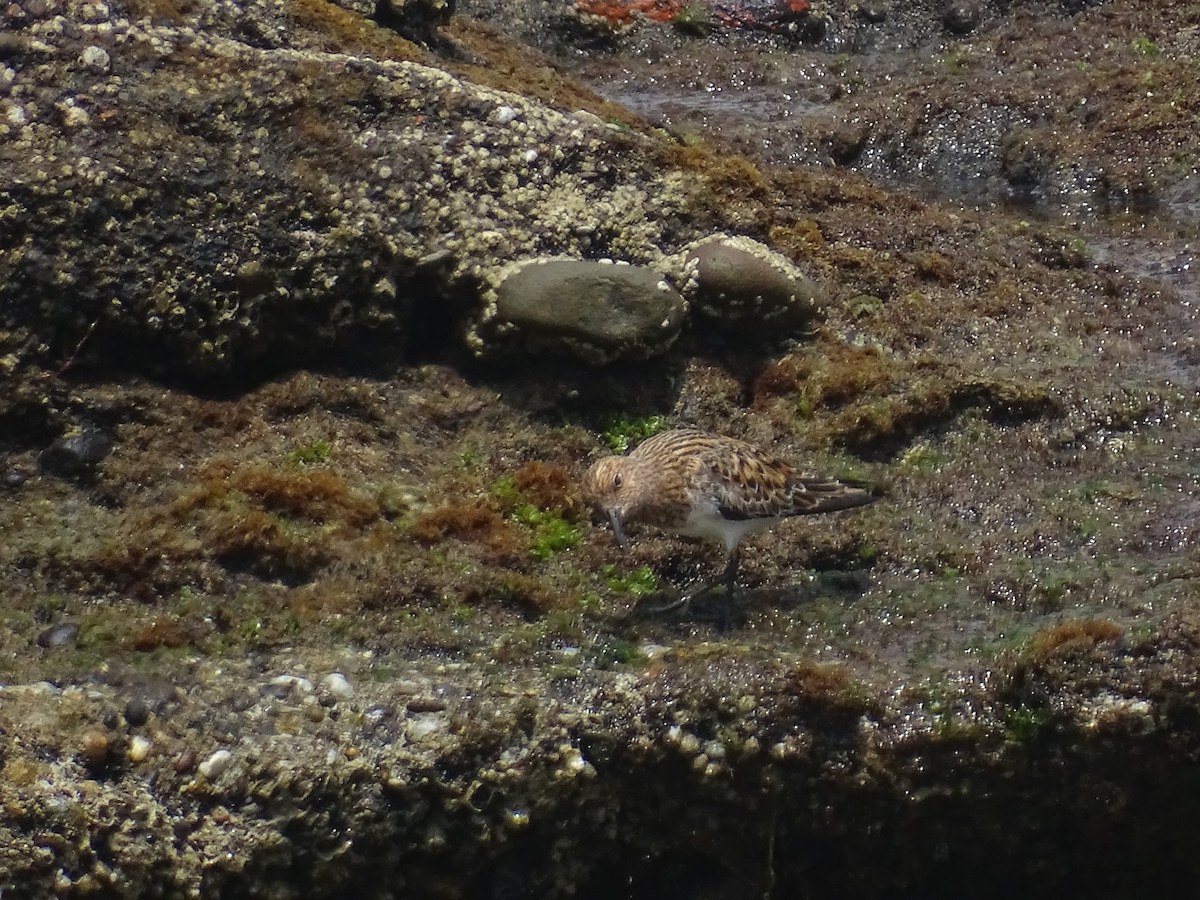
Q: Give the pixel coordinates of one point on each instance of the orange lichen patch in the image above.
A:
(342, 30)
(278, 522)
(548, 486)
(776, 380)
(476, 521)
(163, 632)
(318, 495)
(257, 541)
(799, 237)
(1071, 637)
(935, 267)
(810, 687)
(623, 12)
(834, 376)
(820, 680)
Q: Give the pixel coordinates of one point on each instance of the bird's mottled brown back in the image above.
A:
(745, 482)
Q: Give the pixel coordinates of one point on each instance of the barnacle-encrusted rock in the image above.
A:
(598, 311)
(744, 287)
(224, 233)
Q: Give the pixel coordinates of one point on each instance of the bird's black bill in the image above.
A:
(614, 519)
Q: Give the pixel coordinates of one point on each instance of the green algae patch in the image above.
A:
(552, 533)
(623, 433)
(640, 582)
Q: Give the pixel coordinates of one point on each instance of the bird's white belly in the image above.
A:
(705, 521)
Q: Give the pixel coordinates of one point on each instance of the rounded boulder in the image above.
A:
(598, 311)
(744, 288)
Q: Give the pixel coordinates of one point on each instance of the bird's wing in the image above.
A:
(747, 483)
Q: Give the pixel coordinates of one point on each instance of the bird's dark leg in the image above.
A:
(729, 576)
(729, 579)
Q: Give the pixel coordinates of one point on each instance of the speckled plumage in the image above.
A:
(703, 485)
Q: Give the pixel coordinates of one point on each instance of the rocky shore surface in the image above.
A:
(312, 313)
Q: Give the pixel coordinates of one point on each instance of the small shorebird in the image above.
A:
(707, 486)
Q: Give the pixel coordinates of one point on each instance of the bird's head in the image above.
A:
(612, 486)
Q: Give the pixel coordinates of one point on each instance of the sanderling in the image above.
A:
(708, 486)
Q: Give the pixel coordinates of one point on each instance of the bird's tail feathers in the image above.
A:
(818, 495)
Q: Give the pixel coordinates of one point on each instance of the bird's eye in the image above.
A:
(617, 482)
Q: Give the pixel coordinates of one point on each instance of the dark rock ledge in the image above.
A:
(708, 774)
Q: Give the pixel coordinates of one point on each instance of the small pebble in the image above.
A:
(13, 479)
(574, 764)
(60, 635)
(139, 748)
(95, 58)
(185, 762)
(961, 17)
(423, 725)
(337, 684)
(424, 705)
(137, 712)
(95, 750)
(293, 681)
(216, 764)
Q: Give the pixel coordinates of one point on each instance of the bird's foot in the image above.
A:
(721, 609)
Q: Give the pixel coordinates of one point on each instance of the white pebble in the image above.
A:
(505, 114)
(425, 724)
(139, 748)
(216, 764)
(337, 684)
(293, 681)
(74, 116)
(95, 58)
(574, 764)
